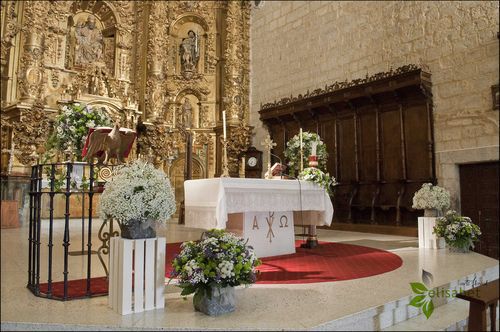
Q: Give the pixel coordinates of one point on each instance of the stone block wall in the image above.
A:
(301, 45)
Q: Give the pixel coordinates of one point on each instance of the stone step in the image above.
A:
(453, 316)
(391, 314)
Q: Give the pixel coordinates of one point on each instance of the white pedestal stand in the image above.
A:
(426, 239)
(139, 288)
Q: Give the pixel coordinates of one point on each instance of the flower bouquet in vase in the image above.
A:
(433, 200)
(458, 231)
(71, 127)
(138, 196)
(211, 268)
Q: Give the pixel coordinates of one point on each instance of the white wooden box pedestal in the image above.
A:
(426, 239)
(136, 274)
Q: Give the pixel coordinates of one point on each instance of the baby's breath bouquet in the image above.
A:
(318, 176)
(458, 231)
(138, 192)
(431, 197)
(292, 152)
(220, 259)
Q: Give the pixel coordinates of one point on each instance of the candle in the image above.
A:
(224, 123)
(314, 145)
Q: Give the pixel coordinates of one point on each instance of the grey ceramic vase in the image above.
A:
(222, 301)
(430, 213)
(135, 229)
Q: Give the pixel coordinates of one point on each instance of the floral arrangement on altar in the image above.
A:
(220, 259)
(316, 175)
(292, 151)
(138, 193)
(459, 232)
(72, 126)
(431, 197)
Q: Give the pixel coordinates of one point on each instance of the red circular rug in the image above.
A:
(330, 261)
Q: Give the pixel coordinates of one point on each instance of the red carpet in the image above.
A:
(78, 288)
(330, 261)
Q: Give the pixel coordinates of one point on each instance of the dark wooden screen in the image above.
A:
(479, 201)
(378, 134)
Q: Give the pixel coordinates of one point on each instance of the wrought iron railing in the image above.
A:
(60, 179)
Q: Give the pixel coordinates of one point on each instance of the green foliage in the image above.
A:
(292, 152)
(458, 231)
(317, 176)
(219, 259)
(72, 126)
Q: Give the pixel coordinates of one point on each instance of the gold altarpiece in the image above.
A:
(166, 68)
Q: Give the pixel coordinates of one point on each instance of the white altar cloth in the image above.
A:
(209, 201)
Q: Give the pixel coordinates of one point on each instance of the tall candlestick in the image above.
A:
(300, 137)
(301, 152)
(224, 123)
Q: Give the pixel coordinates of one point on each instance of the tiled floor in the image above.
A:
(264, 307)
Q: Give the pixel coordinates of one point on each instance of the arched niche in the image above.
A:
(188, 108)
(92, 35)
(181, 31)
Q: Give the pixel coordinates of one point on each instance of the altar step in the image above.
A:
(450, 314)
(453, 316)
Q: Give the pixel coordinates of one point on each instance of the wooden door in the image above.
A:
(479, 200)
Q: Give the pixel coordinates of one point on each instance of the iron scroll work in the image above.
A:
(65, 179)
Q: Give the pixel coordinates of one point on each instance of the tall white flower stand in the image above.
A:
(136, 274)
(426, 239)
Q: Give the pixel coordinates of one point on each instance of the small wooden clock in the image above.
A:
(253, 163)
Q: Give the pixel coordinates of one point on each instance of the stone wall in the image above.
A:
(301, 45)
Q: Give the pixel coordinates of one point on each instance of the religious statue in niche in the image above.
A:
(187, 113)
(89, 42)
(189, 52)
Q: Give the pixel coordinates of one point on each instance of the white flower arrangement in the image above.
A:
(431, 197)
(138, 191)
(316, 175)
(458, 231)
(219, 259)
(72, 125)
(292, 151)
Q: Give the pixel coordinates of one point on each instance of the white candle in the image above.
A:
(314, 145)
(224, 123)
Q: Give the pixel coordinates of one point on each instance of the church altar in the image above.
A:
(257, 209)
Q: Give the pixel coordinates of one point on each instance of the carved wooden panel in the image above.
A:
(391, 146)
(379, 138)
(347, 171)
(368, 143)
